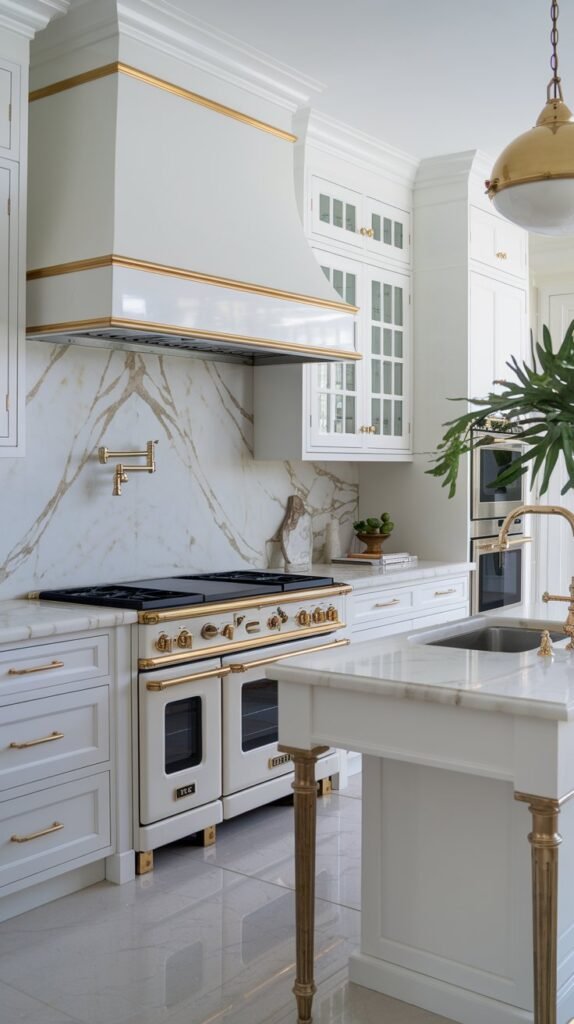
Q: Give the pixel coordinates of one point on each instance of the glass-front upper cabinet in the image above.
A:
(386, 363)
(350, 218)
(334, 386)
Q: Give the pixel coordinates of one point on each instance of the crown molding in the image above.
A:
(366, 151)
(26, 17)
(169, 29)
(453, 169)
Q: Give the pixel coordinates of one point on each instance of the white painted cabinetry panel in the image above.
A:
(497, 243)
(50, 735)
(8, 300)
(395, 609)
(49, 664)
(498, 330)
(9, 109)
(53, 827)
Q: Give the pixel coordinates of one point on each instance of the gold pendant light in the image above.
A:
(532, 182)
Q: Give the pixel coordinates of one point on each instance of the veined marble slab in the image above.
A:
(29, 620)
(405, 668)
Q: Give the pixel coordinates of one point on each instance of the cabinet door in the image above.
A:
(335, 386)
(496, 242)
(9, 85)
(386, 373)
(388, 231)
(498, 330)
(8, 302)
(336, 213)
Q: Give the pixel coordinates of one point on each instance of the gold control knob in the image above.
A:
(253, 627)
(228, 631)
(184, 639)
(319, 615)
(303, 618)
(164, 643)
(282, 615)
(209, 632)
(332, 613)
(274, 622)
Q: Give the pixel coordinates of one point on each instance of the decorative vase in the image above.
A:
(373, 541)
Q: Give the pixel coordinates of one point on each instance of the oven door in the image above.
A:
(179, 739)
(488, 501)
(250, 714)
(498, 579)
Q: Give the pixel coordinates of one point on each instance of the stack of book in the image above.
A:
(398, 560)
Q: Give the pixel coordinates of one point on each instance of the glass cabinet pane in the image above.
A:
(398, 378)
(350, 376)
(387, 410)
(376, 226)
(338, 282)
(376, 376)
(385, 368)
(350, 217)
(338, 423)
(387, 231)
(325, 209)
(337, 213)
(351, 289)
(398, 345)
(398, 424)
(350, 415)
(388, 378)
(387, 304)
(376, 414)
(376, 300)
(324, 414)
(399, 306)
(375, 340)
(398, 235)
(387, 342)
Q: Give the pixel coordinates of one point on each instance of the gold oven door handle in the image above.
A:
(165, 684)
(34, 743)
(245, 667)
(39, 668)
(36, 835)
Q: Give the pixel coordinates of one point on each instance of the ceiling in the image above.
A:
(426, 76)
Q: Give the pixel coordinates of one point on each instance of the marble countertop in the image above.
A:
(29, 620)
(368, 577)
(405, 667)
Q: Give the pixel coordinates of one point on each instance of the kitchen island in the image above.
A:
(469, 756)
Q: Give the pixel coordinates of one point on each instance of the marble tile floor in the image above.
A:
(206, 938)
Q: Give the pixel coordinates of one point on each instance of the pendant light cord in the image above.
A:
(554, 86)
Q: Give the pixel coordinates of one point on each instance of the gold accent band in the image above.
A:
(112, 260)
(146, 326)
(241, 645)
(550, 802)
(246, 666)
(153, 618)
(159, 83)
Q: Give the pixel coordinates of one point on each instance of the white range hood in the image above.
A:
(161, 214)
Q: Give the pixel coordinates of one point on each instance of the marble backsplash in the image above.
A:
(209, 506)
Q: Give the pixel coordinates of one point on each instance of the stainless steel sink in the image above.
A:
(502, 639)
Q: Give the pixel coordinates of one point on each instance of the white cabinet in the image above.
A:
(498, 244)
(9, 109)
(55, 758)
(8, 303)
(396, 608)
(498, 330)
(350, 218)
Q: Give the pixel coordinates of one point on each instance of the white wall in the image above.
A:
(209, 506)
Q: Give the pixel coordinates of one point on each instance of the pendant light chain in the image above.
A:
(554, 87)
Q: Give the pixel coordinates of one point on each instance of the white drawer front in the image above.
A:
(40, 738)
(441, 594)
(75, 820)
(376, 606)
(49, 664)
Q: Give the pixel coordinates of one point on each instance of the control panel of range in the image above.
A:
(220, 631)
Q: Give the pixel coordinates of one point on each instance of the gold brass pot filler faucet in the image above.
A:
(121, 470)
(503, 545)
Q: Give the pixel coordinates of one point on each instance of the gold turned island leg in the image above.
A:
(544, 840)
(305, 805)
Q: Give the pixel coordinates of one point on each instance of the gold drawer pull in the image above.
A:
(34, 743)
(443, 593)
(502, 255)
(40, 668)
(36, 835)
(387, 604)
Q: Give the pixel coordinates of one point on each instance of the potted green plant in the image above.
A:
(372, 532)
(540, 403)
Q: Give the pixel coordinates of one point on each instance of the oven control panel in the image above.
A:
(222, 631)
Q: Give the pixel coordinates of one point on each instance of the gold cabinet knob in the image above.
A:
(501, 255)
(209, 631)
(364, 231)
(303, 618)
(319, 615)
(184, 639)
(370, 232)
(228, 631)
(164, 643)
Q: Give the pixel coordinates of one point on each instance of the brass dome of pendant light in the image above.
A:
(532, 182)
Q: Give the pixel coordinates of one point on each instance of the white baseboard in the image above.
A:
(121, 867)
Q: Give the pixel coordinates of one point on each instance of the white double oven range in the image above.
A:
(205, 708)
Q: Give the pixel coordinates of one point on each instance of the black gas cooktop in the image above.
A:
(178, 591)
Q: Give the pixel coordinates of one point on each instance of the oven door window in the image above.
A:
(499, 579)
(259, 714)
(492, 462)
(183, 734)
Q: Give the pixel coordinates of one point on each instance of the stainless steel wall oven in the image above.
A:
(498, 580)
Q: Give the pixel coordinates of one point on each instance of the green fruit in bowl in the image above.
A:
(388, 527)
(385, 517)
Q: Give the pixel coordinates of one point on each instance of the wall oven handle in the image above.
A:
(165, 684)
(245, 667)
(487, 547)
